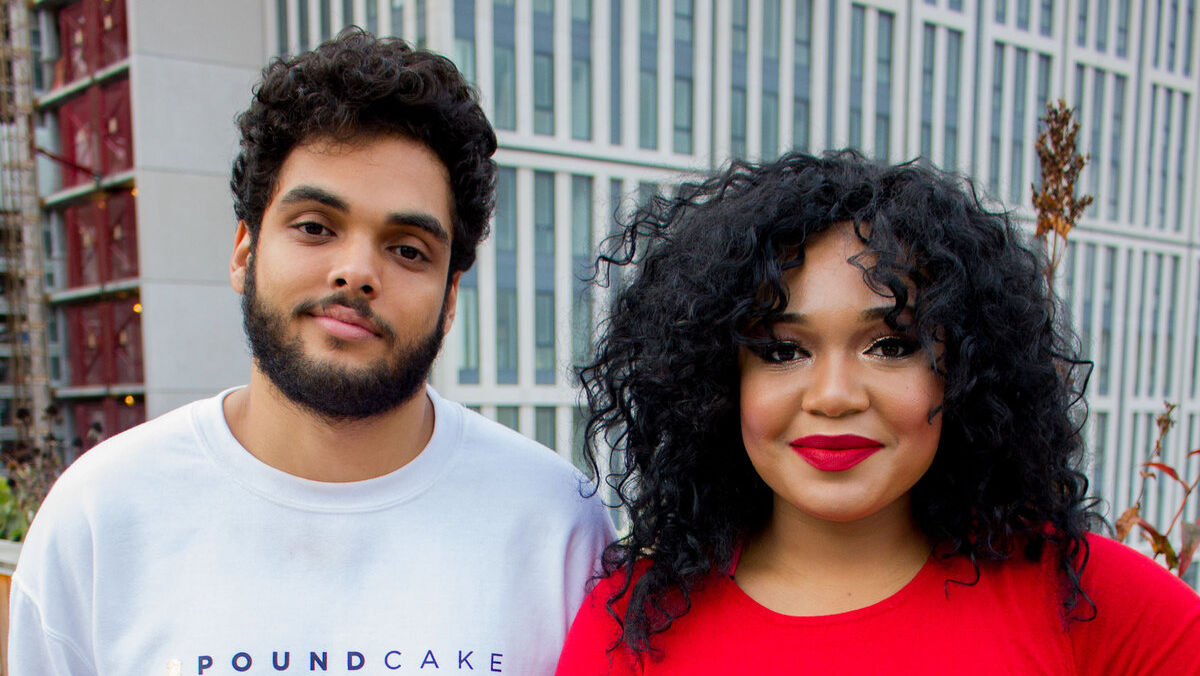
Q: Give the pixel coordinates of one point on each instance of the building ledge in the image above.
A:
(77, 192)
(92, 290)
(55, 97)
(97, 391)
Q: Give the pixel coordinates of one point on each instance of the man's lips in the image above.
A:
(345, 323)
(835, 453)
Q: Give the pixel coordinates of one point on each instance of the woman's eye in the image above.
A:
(781, 352)
(894, 347)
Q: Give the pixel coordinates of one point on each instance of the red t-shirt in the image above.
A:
(1010, 622)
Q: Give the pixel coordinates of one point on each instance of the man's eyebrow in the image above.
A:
(308, 193)
(419, 220)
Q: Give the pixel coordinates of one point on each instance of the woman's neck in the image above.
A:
(801, 565)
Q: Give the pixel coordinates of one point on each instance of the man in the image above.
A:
(335, 515)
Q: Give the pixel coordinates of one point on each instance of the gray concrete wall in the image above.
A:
(186, 91)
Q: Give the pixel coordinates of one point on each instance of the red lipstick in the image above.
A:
(835, 453)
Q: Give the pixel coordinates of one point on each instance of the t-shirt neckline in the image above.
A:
(286, 489)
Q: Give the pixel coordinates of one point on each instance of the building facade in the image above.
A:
(598, 103)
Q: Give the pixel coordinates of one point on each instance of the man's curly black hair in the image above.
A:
(356, 86)
(708, 278)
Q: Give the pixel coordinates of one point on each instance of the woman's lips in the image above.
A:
(835, 453)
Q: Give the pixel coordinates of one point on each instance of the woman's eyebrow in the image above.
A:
(868, 315)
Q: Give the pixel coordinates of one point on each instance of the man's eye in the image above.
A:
(411, 253)
(894, 347)
(311, 228)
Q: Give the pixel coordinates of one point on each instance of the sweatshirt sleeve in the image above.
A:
(1147, 620)
(34, 649)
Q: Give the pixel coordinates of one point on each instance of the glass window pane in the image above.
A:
(505, 236)
(509, 416)
(545, 426)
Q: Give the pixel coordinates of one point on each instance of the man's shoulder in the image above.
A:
(493, 443)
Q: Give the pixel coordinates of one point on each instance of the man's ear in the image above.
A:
(451, 303)
(240, 258)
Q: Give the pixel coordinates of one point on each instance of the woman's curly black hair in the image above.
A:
(355, 86)
(708, 277)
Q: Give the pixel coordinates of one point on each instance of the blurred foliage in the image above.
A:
(32, 470)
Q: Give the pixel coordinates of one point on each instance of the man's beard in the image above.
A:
(333, 392)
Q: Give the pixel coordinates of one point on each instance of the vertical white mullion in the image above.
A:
(703, 97)
(525, 277)
(485, 273)
(870, 59)
(601, 73)
(722, 84)
(754, 78)
(385, 20)
(1128, 170)
(525, 417)
(818, 123)
(562, 432)
(631, 89)
(314, 22)
(360, 12)
(1188, 214)
(523, 57)
(1149, 272)
(1087, 120)
(986, 72)
(787, 72)
(666, 76)
(561, 55)
(841, 74)
(564, 290)
(1029, 160)
(968, 82)
(439, 17)
(1121, 387)
(941, 51)
(293, 27)
(485, 49)
(900, 111)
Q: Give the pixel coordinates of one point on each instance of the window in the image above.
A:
(1016, 182)
(581, 264)
(953, 87)
(737, 95)
(545, 427)
(464, 37)
(347, 12)
(1174, 13)
(1122, 27)
(681, 141)
(1023, 14)
(323, 20)
(1046, 21)
(509, 416)
(857, 20)
(997, 103)
(1181, 147)
(802, 77)
(928, 36)
(1096, 161)
(372, 17)
(614, 42)
(543, 67)
(281, 27)
(543, 277)
(467, 317)
(504, 65)
(1114, 153)
(505, 236)
(648, 75)
(1081, 26)
(1101, 25)
(1001, 11)
(581, 69)
(302, 24)
(883, 87)
(770, 81)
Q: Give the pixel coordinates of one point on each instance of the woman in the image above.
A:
(847, 419)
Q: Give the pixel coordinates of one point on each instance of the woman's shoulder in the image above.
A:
(1147, 620)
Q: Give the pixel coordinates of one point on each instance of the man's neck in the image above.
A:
(295, 440)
